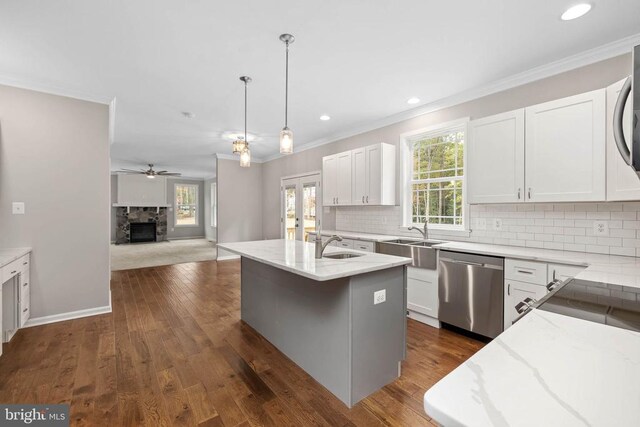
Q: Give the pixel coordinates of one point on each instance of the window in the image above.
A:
(186, 205)
(434, 171)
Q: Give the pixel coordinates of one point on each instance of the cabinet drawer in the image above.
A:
(25, 287)
(10, 270)
(345, 243)
(526, 271)
(25, 311)
(24, 263)
(361, 245)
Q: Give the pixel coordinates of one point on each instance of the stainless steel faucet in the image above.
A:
(320, 247)
(424, 231)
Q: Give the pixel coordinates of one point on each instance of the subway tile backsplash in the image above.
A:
(562, 226)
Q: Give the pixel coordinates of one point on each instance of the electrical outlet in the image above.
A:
(600, 228)
(481, 223)
(497, 224)
(379, 296)
(17, 208)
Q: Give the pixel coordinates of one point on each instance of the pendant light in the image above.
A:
(245, 154)
(286, 135)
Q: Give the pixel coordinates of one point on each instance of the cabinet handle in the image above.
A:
(25, 263)
(25, 310)
(518, 194)
(367, 199)
(554, 275)
(25, 284)
(362, 199)
(524, 271)
(13, 272)
(337, 200)
(529, 193)
(509, 289)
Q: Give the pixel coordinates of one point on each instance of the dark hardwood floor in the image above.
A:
(174, 351)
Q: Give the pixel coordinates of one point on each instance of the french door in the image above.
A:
(301, 204)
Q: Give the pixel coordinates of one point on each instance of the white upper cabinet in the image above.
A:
(622, 181)
(495, 158)
(364, 176)
(565, 149)
(359, 176)
(329, 177)
(343, 180)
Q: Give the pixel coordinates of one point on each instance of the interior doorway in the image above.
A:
(301, 206)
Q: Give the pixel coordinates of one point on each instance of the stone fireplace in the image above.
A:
(140, 215)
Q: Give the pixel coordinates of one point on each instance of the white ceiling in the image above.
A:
(357, 61)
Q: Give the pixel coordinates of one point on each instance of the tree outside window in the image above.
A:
(186, 204)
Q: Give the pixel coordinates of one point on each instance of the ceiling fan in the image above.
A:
(150, 173)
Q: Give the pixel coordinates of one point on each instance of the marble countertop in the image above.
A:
(547, 369)
(8, 255)
(299, 258)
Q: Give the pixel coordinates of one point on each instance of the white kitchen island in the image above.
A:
(321, 312)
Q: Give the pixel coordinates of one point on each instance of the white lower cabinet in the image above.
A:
(15, 297)
(422, 295)
(563, 271)
(516, 292)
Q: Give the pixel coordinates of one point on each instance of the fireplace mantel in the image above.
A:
(141, 205)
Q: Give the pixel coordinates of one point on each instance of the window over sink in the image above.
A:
(433, 168)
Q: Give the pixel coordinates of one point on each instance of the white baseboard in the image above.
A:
(67, 316)
(228, 257)
(422, 318)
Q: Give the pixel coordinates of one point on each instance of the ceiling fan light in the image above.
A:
(239, 145)
(286, 141)
(245, 158)
(150, 176)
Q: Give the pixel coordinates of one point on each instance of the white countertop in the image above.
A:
(546, 370)
(299, 258)
(8, 255)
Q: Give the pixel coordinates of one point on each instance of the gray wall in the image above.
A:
(54, 156)
(583, 79)
(174, 232)
(209, 229)
(239, 202)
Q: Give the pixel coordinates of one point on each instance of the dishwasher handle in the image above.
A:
(471, 263)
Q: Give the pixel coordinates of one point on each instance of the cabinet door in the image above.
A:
(563, 271)
(516, 292)
(495, 158)
(329, 175)
(422, 291)
(565, 149)
(343, 181)
(358, 176)
(622, 181)
(374, 174)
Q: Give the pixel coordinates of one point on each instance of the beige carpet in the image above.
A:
(126, 257)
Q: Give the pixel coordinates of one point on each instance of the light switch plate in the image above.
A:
(379, 296)
(18, 208)
(497, 224)
(600, 228)
(481, 223)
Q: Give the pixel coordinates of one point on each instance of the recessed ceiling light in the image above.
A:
(413, 100)
(576, 11)
(324, 117)
(188, 114)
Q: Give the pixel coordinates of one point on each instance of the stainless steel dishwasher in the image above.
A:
(471, 292)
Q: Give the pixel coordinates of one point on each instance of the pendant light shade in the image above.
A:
(245, 158)
(286, 135)
(242, 144)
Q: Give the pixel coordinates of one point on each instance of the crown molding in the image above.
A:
(54, 89)
(591, 56)
(237, 159)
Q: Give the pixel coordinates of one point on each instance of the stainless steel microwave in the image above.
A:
(630, 93)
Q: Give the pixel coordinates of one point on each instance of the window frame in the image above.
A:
(175, 204)
(406, 143)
